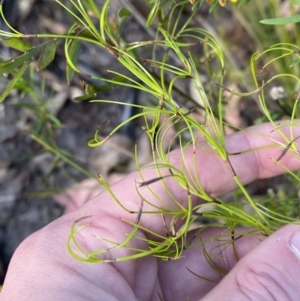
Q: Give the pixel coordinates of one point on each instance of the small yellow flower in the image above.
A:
(221, 2)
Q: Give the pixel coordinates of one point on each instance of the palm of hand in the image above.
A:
(43, 268)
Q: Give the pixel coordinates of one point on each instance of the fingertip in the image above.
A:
(269, 272)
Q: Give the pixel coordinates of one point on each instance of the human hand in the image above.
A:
(42, 268)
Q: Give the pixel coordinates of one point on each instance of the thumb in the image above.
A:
(270, 272)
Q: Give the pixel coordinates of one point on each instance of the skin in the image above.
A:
(269, 269)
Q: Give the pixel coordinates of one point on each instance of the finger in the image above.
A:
(203, 266)
(215, 176)
(110, 224)
(270, 272)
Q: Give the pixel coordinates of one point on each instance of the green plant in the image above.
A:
(150, 68)
(277, 54)
(42, 124)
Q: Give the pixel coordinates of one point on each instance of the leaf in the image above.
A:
(296, 2)
(87, 34)
(14, 63)
(119, 79)
(295, 62)
(124, 13)
(17, 43)
(286, 149)
(46, 56)
(72, 47)
(93, 89)
(55, 121)
(85, 97)
(153, 13)
(73, 51)
(94, 143)
(281, 21)
(14, 80)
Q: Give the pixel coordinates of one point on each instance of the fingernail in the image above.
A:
(295, 244)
